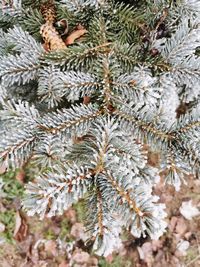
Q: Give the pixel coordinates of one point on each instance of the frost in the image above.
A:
(188, 210)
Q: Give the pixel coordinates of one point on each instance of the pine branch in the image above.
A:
(21, 112)
(19, 69)
(57, 191)
(135, 207)
(126, 55)
(176, 168)
(188, 124)
(188, 73)
(31, 20)
(50, 86)
(79, 5)
(23, 42)
(80, 56)
(182, 44)
(139, 86)
(17, 149)
(50, 151)
(102, 225)
(75, 120)
(134, 69)
(54, 85)
(142, 128)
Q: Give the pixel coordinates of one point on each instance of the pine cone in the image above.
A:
(48, 12)
(51, 37)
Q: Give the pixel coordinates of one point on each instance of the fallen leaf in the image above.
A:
(181, 226)
(156, 244)
(86, 100)
(80, 257)
(71, 215)
(188, 235)
(64, 24)
(25, 246)
(3, 168)
(20, 176)
(146, 253)
(153, 158)
(80, 31)
(141, 253)
(109, 258)
(93, 262)
(50, 246)
(173, 223)
(78, 232)
(63, 264)
(188, 210)
(21, 227)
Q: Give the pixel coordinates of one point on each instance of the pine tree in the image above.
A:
(88, 88)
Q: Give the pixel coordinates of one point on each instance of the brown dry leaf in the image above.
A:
(71, 215)
(86, 100)
(173, 223)
(76, 34)
(21, 227)
(156, 245)
(20, 176)
(78, 232)
(188, 235)
(181, 226)
(3, 168)
(93, 262)
(109, 258)
(50, 246)
(5, 263)
(146, 253)
(64, 24)
(153, 158)
(25, 246)
(63, 264)
(80, 257)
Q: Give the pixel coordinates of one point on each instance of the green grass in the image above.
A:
(8, 219)
(117, 262)
(10, 190)
(64, 228)
(192, 254)
(49, 235)
(80, 211)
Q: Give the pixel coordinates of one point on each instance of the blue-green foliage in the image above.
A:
(136, 78)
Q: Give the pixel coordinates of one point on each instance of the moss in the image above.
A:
(64, 228)
(192, 253)
(117, 262)
(8, 219)
(80, 211)
(49, 234)
(12, 188)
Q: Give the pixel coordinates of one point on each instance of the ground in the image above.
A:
(60, 241)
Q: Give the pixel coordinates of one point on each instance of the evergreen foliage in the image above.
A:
(86, 110)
